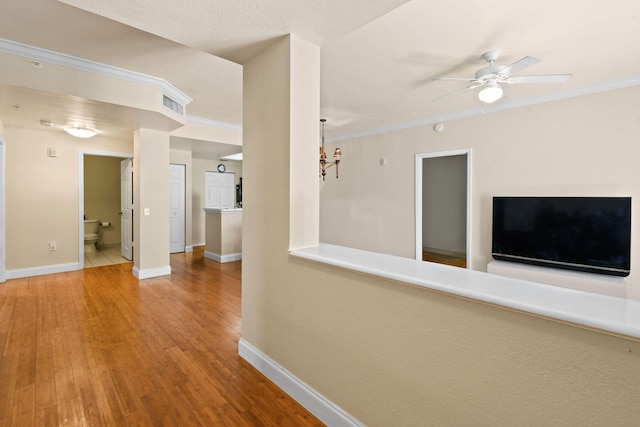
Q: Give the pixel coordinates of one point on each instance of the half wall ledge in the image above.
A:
(610, 314)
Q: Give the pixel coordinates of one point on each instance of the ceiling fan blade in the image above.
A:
(458, 79)
(457, 91)
(519, 65)
(548, 78)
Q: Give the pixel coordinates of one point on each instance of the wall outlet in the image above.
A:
(53, 246)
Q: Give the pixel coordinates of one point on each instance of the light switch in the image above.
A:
(147, 211)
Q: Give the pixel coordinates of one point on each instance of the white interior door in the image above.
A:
(177, 209)
(219, 190)
(126, 208)
(3, 216)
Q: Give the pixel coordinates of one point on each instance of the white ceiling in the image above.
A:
(379, 58)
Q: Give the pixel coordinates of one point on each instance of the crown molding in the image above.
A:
(38, 54)
(494, 108)
(213, 123)
(34, 53)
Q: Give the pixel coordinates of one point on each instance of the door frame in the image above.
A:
(418, 197)
(3, 212)
(126, 246)
(183, 168)
(81, 154)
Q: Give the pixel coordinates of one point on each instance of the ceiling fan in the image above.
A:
(490, 78)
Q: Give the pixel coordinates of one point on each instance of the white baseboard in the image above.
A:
(188, 248)
(222, 258)
(42, 270)
(151, 272)
(314, 402)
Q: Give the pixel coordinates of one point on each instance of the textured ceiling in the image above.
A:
(379, 58)
(239, 29)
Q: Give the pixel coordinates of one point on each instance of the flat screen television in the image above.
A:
(590, 234)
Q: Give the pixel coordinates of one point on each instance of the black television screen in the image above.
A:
(591, 234)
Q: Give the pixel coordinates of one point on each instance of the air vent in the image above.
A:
(173, 105)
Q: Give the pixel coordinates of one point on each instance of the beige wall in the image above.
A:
(231, 242)
(200, 166)
(102, 195)
(583, 146)
(43, 194)
(391, 354)
(204, 131)
(213, 231)
(224, 233)
(151, 191)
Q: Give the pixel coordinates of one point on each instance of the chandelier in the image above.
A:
(337, 155)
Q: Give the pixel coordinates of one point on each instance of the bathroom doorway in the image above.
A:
(443, 207)
(100, 208)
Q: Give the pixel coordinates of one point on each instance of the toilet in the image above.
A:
(91, 236)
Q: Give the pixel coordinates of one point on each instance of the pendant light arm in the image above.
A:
(324, 164)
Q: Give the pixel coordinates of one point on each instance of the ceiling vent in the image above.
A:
(172, 105)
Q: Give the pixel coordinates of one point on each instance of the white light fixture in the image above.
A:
(81, 132)
(490, 93)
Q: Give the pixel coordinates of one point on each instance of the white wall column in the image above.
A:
(151, 203)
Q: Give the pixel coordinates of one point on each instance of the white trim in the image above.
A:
(222, 210)
(214, 123)
(223, 258)
(151, 272)
(418, 197)
(35, 53)
(322, 408)
(188, 248)
(3, 212)
(500, 106)
(81, 154)
(31, 52)
(42, 270)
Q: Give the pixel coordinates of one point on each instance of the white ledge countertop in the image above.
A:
(617, 315)
(222, 210)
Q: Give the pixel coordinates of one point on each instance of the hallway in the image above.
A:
(99, 347)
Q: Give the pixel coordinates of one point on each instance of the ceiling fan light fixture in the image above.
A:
(490, 93)
(80, 132)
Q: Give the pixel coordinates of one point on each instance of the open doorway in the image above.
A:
(103, 221)
(443, 206)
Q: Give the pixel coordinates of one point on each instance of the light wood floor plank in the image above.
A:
(99, 347)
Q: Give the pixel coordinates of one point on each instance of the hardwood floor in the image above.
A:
(98, 347)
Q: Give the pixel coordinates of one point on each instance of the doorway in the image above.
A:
(100, 199)
(443, 207)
